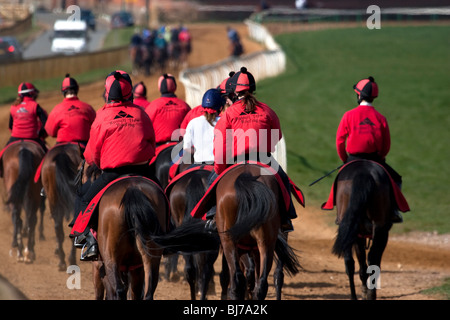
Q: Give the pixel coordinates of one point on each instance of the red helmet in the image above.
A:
(167, 83)
(118, 86)
(243, 81)
(366, 88)
(26, 88)
(140, 90)
(69, 83)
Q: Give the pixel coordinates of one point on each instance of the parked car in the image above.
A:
(122, 19)
(10, 49)
(88, 16)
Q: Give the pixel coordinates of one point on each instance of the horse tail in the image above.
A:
(363, 187)
(194, 195)
(65, 174)
(256, 203)
(286, 255)
(19, 190)
(140, 215)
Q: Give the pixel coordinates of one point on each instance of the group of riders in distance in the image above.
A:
(110, 164)
(153, 50)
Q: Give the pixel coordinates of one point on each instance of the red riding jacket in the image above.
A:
(122, 134)
(70, 120)
(365, 130)
(27, 119)
(167, 113)
(238, 132)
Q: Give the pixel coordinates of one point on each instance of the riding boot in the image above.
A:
(89, 252)
(43, 195)
(210, 215)
(396, 215)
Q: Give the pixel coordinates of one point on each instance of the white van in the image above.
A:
(69, 36)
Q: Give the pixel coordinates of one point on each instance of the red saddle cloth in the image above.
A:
(209, 199)
(37, 175)
(83, 218)
(402, 204)
(182, 174)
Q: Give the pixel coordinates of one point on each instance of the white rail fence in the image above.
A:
(263, 64)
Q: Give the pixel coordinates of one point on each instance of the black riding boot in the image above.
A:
(89, 252)
(396, 215)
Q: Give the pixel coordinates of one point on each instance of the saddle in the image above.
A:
(402, 204)
(209, 198)
(182, 174)
(84, 218)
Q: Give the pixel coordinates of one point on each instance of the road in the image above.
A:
(41, 46)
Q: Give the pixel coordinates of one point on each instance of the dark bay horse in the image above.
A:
(58, 171)
(19, 162)
(249, 201)
(184, 194)
(364, 201)
(130, 212)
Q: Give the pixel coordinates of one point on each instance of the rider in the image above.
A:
(27, 118)
(255, 130)
(168, 111)
(122, 141)
(363, 133)
(140, 95)
(70, 120)
(199, 134)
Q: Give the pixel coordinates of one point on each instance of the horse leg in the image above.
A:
(264, 267)
(237, 284)
(278, 275)
(59, 231)
(379, 242)
(41, 222)
(151, 268)
(190, 273)
(115, 289)
(17, 243)
(251, 272)
(29, 253)
(205, 267)
(224, 277)
(350, 271)
(136, 283)
(360, 252)
(170, 267)
(98, 273)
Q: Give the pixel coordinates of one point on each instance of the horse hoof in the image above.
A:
(29, 256)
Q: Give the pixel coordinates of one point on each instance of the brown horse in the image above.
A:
(364, 201)
(130, 212)
(184, 194)
(58, 172)
(19, 162)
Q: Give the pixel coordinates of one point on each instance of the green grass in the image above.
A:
(443, 290)
(411, 66)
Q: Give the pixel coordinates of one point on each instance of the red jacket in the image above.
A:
(258, 131)
(122, 134)
(27, 119)
(365, 130)
(70, 120)
(141, 101)
(166, 114)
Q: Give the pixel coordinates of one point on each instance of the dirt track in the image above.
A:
(410, 264)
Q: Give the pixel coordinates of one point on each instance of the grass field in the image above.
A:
(411, 66)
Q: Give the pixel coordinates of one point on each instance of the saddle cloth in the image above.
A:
(209, 198)
(14, 142)
(402, 204)
(83, 218)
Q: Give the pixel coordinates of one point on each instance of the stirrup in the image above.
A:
(89, 253)
(210, 225)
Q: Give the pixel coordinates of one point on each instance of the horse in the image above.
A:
(249, 203)
(364, 202)
(19, 161)
(184, 194)
(130, 212)
(58, 171)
